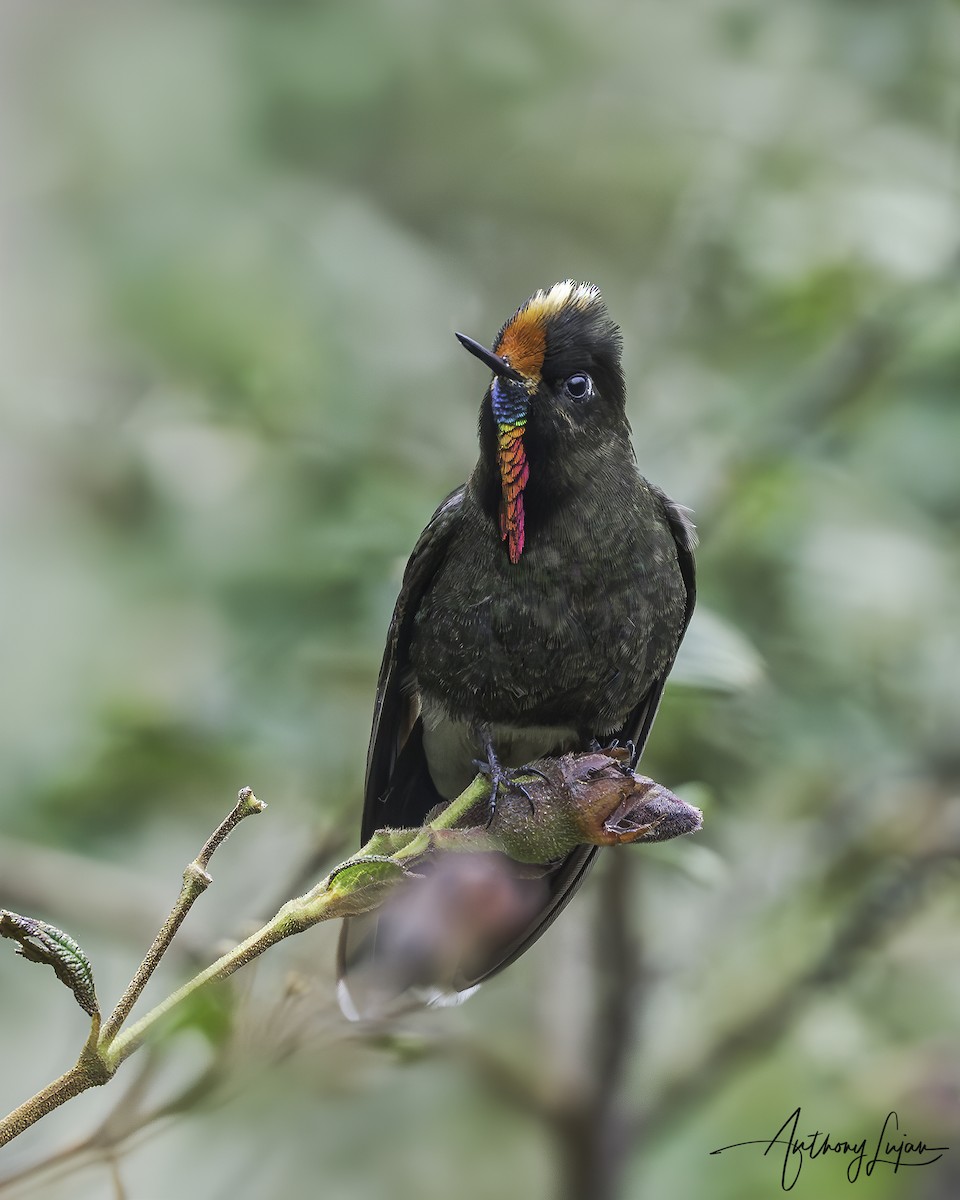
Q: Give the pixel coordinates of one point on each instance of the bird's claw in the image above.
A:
(501, 776)
(625, 766)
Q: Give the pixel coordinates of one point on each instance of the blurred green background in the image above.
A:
(237, 238)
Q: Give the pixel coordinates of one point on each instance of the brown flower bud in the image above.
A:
(586, 798)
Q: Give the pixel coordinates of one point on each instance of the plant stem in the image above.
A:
(89, 1071)
(124, 1044)
(195, 882)
(356, 886)
(70, 1084)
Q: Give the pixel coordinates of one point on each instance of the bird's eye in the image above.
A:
(578, 387)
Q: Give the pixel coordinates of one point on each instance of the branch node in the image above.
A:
(196, 878)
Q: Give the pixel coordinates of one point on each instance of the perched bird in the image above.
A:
(542, 606)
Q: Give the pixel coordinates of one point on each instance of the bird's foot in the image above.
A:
(504, 777)
(626, 766)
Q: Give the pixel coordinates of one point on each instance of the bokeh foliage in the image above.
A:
(238, 238)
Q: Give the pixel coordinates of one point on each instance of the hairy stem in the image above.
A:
(70, 1084)
(282, 926)
(195, 882)
(590, 788)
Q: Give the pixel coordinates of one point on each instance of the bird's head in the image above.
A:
(556, 401)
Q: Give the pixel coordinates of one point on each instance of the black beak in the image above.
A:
(499, 366)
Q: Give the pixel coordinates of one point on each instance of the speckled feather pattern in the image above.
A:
(572, 634)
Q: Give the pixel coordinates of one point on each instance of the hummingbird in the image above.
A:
(541, 608)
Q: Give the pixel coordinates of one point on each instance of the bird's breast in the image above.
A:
(570, 636)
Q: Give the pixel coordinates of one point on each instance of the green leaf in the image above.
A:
(43, 943)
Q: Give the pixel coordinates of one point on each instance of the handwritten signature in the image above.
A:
(890, 1150)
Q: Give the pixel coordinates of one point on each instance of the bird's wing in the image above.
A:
(564, 879)
(638, 725)
(395, 734)
(398, 791)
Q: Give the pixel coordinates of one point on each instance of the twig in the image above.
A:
(35, 878)
(585, 798)
(97, 1062)
(342, 893)
(196, 880)
(338, 895)
(120, 1124)
(330, 843)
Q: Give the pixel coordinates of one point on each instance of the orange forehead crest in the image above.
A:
(523, 343)
(523, 340)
